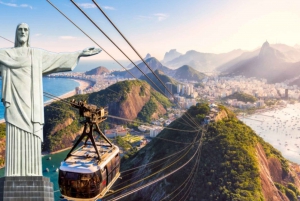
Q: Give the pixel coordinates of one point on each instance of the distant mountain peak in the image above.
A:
(266, 49)
(172, 54)
(147, 56)
(97, 71)
(266, 44)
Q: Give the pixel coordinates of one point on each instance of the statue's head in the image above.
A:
(22, 35)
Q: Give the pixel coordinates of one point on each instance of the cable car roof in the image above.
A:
(84, 159)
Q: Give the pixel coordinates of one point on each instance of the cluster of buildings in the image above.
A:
(187, 90)
(154, 130)
(185, 95)
(220, 87)
(117, 131)
(243, 105)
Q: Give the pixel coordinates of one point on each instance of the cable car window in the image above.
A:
(72, 176)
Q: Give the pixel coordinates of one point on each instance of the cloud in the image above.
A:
(109, 8)
(68, 37)
(16, 5)
(156, 16)
(38, 34)
(87, 5)
(161, 16)
(26, 6)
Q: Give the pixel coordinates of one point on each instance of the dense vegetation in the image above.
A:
(189, 73)
(127, 144)
(149, 108)
(240, 96)
(58, 113)
(228, 168)
(114, 93)
(55, 116)
(290, 191)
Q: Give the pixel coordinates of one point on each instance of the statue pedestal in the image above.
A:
(27, 188)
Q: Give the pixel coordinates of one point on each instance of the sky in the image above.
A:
(154, 26)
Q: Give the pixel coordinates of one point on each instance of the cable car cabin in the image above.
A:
(83, 177)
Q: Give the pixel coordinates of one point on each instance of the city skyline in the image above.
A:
(155, 27)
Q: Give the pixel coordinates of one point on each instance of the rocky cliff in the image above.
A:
(225, 161)
(128, 99)
(98, 71)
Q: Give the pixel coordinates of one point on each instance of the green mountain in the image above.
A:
(98, 71)
(128, 99)
(164, 78)
(240, 96)
(224, 161)
(188, 73)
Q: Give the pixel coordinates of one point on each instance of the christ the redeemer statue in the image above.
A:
(22, 68)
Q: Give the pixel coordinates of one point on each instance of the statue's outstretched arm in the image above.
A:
(89, 51)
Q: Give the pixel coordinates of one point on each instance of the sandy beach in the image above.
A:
(83, 84)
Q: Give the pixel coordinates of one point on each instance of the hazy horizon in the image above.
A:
(155, 27)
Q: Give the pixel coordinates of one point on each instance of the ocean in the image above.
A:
(52, 165)
(54, 86)
(280, 128)
(60, 86)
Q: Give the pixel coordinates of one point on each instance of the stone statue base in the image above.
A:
(27, 188)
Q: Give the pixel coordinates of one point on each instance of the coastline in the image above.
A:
(54, 152)
(83, 84)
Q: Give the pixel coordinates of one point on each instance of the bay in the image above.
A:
(54, 86)
(52, 165)
(280, 128)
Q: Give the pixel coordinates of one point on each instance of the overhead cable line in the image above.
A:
(168, 166)
(150, 92)
(6, 39)
(185, 182)
(107, 52)
(120, 118)
(149, 176)
(48, 95)
(133, 48)
(97, 5)
(156, 180)
(91, 39)
(148, 165)
(145, 165)
(114, 43)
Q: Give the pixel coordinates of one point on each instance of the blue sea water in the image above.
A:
(54, 86)
(52, 165)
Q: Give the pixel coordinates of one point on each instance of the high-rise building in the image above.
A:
(178, 88)
(286, 93)
(188, 90)
(192, 88)
(183, 90)
(169, 87)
